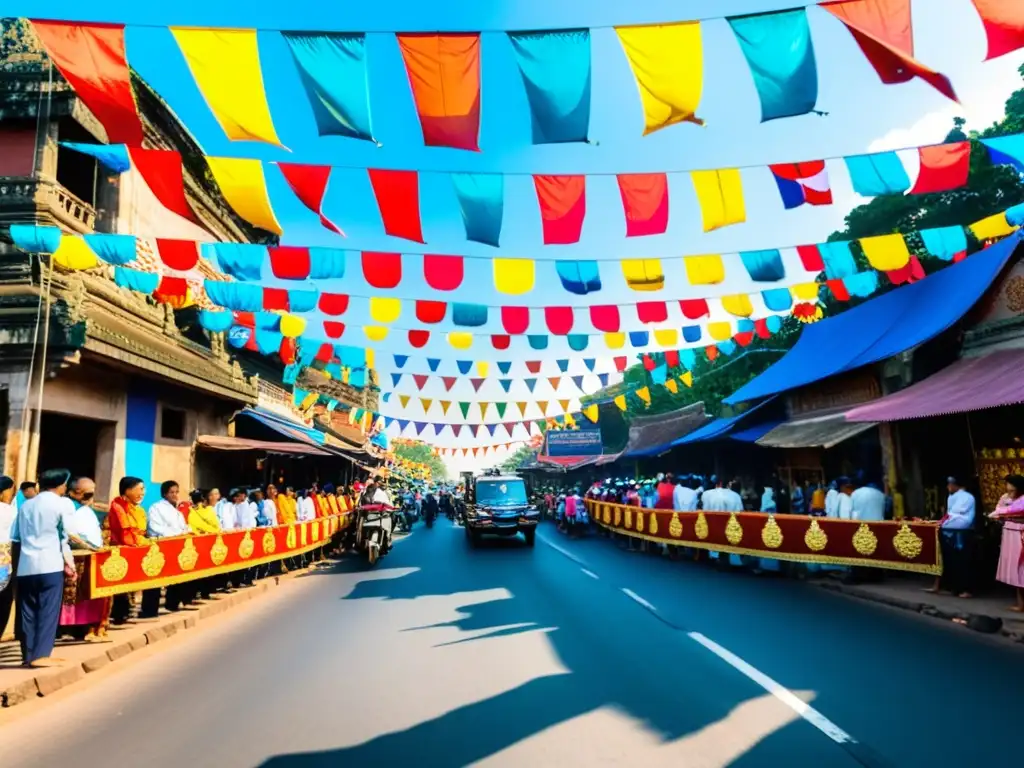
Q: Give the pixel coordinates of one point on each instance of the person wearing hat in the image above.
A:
(956, 538)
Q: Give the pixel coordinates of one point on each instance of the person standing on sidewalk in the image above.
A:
(84, 533)
(202, 520)
(45, 561)
(127, 523)
(956, 537)
(165, 520)
(1010, 512)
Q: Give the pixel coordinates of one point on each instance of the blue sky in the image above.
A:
(863, 115)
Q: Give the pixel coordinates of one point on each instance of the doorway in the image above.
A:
(69, 442)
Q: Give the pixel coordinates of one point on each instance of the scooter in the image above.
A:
(374, 531)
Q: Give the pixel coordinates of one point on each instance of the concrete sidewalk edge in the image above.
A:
(49, 681)
(923, 608)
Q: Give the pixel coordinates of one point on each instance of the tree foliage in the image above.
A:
(422, 453)
(523, 454)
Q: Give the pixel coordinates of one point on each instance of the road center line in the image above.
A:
(787, 697)
(562, 551)
(634, 596)
(591, 574)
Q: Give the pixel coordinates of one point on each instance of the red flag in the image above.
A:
(559, 319)
(172, 290)
(563, 205)
(620, 364)
(161, 170)
(443, 273)
(420, 379)
(275, 299)
(1004, 25)
(943, 167)
(605, 318)
(672, 358)
(333, 303)
(648, 362)
(810, 257)
(419, 339)
(476, 384)
(644, 202)
(884, 31)
(501, 341)
(711, 351)
(838, 288)
(382, 270)
(289, 262)
(652, 312)
(181, 255)
(334, 329)
(449, 382)
(533, 366)
(515, 320)
(430, 311)
(398, 198)
(309, 184)
(287, 351)
(694, 309)
(91, 57)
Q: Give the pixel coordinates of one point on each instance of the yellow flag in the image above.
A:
(591, 412)
(738, 305)
(687, 378)
(671, 386)
(668, 63)
(73, 253)
(720, 331)
(226, 66)
(292, 326)
(483, 409)
(543, 405)
(245, 189)
(426, 403)
(404, 400)
(666, 337)
(385, 309)
(720, 194)
(643, 274)
(886, 252)
(644, 393)
(445, 405)
(615, 340)
(482, 368)
(460, 339)
(375, 332)
(564, 405)
(805, 291)
(371, 360)
(514, 276)
(704, 270)
(992, 227)
(621, 402)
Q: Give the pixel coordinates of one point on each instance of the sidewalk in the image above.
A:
(907, 592)
(18, 684)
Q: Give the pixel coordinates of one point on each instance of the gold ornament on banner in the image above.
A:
(653, 527)
(701, 528)
(675, 527)
(864, 541)
(907, 543)
(188, 557)
(815, 538)
(115, 567)
(302, 535)
(269, 542)
(154, 561)
(607, 515)
(618, 516)
(219, 551)
(316, 530)
(291, 538)
(771, 534)
(246, 546)
(629, 518)
(733, 530)
(640, 522)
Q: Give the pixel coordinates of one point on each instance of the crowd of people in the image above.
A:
(48, 521)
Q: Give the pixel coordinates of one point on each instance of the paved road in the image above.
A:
(574, 653)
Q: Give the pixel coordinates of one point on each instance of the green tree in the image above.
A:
(422, 453)
(523, 454)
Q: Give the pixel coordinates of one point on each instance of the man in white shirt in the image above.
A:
(956, 537)
(727, 499)
(306, 510)
(245, 517)
(41, 526)
(163, 520)
(868, 503)
(270, 506)
(844, 501)
(684, 498)
(832, 500)
(225, 510)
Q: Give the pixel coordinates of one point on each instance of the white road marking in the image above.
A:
(634, 596)
(787, 697)
(562, 551)
(591, 574)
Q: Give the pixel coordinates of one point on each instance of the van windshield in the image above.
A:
(500, 492)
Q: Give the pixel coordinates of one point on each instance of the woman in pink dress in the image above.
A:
(1010, 511)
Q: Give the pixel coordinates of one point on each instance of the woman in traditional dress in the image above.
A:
(127, 523)
(80, 614)
(1010, 511)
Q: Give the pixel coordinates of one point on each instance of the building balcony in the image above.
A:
(46, 202)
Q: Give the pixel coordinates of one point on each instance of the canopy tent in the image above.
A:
(970, 384)
(755, 433)
(817, 432)
(712, 430)
(884, 326)
(226, 443)
(652, 435)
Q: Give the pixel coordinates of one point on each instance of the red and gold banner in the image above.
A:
(183, 558)
(900, 546)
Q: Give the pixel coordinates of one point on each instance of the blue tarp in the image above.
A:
(883, 326)
(755, 433)
(290, 429)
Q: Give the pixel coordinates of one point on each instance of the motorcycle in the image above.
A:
(374, 531)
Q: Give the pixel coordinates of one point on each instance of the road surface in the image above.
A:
(574, 653)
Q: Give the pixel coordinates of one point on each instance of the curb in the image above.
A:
(925, 609)
(52, 680)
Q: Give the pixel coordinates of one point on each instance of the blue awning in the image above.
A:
(755, 433)
(293, 430)
(883, 326)
(712, 430)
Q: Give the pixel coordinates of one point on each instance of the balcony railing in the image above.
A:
(44, 201)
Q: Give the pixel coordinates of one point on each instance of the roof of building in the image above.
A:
(883, 326)
(658, 431)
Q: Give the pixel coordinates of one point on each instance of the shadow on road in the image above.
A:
(615, 659)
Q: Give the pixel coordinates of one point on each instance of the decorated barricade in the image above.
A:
(902, 546)
(178, 559)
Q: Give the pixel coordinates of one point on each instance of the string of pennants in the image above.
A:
(443, 71)
(562, 199)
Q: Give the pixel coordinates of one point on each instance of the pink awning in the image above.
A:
(970, 384)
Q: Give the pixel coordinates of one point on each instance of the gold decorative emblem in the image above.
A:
(302, 535)
(607, 515)
(316, 530)
(246, 546)
(907, 543)
(115, 567)
(269, 542)
(815, 538)
(618, 516)
(675, 528)
(154, 561)
(771, 534)
(864, 541)
(629, 518)
(289, 540)
(219, 551)
(640, 522)
(733, 530)
(653, 528)
(188, 557)
(701, 528)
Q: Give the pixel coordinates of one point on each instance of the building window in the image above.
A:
(172, 423)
